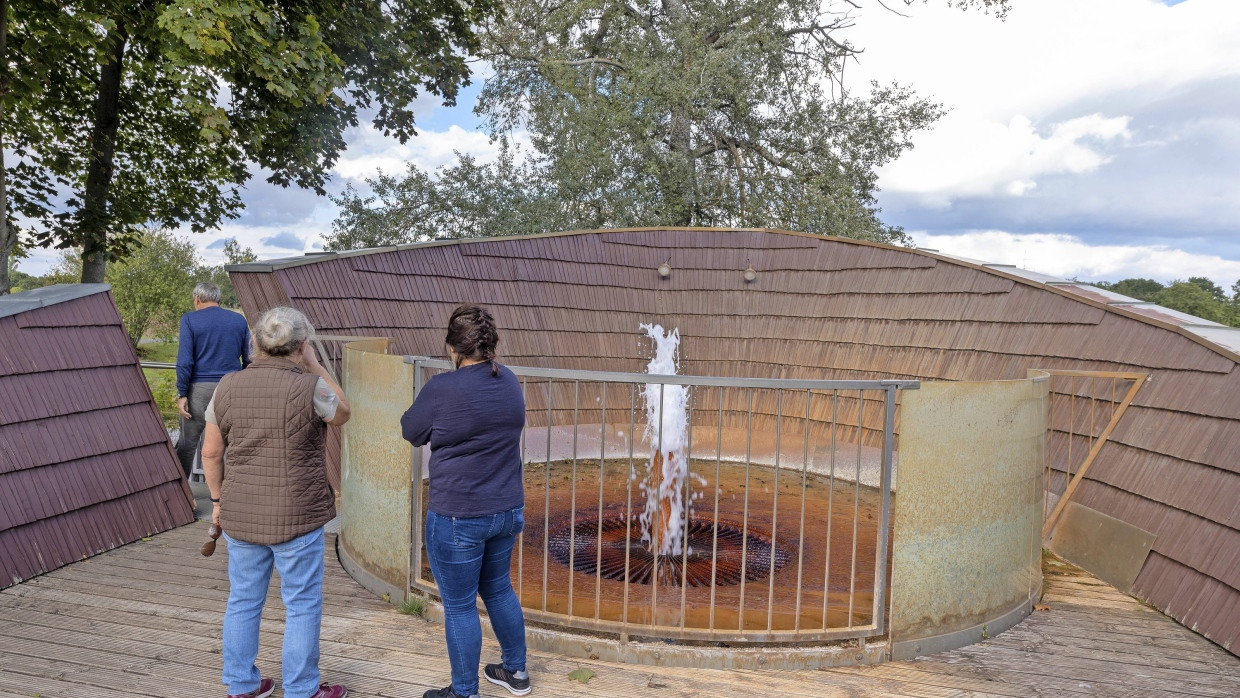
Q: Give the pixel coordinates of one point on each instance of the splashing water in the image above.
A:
(667, 427)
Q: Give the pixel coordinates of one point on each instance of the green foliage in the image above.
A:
(163, 384)
(694, 112)
(1198, 296)
(1141, 289)
(1216, 292)
(153, 285)
(1193, 299)
(464, 199)
(234, 253)
(127, 114)
(413, 606)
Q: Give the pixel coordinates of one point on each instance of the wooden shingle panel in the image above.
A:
(85, 462)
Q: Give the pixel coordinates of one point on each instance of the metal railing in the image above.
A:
(784, 519)
(1085, 408)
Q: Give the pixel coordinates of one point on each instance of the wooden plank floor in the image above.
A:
(144, 620)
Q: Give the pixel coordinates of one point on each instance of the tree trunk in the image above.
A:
(682, 156)
(8, 237)
(93, 219)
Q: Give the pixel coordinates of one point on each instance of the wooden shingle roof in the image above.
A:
(85, 462)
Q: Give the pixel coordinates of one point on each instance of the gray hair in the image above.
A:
(207, 293)
(281, 331)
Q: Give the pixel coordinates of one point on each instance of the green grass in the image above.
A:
(163, 382)
(413, 606)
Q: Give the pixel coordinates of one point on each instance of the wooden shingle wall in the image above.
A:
(832, 308)
(85, 462)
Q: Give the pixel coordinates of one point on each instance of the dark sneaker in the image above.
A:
(326, 691)
(445, 692)
(498, 675)
(265, 687)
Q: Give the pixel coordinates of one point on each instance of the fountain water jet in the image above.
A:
(667, 430)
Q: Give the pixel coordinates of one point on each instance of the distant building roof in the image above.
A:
(85, 462)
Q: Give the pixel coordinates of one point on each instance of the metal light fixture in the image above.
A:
(750, 274)
(665, 270)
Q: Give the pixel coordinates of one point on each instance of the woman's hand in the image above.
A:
(308, 357)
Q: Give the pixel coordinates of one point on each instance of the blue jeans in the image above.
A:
(472, 557)
(300, 563)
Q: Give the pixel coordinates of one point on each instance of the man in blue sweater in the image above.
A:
(214, 342)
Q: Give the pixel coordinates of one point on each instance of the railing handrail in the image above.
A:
(712, 381)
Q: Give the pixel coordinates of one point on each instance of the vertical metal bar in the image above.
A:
(1093, 407)
(740, 611)
(655, 519)
(414, 573)
(826, 574)
(572, 502)
(852, 578)
(796, 622)
(602, 471)
(714, 543)
(779, 426)
(688, 502)
(1071, 429)
(521, 535)
(628, 507)
(547, 498)
(880, 565)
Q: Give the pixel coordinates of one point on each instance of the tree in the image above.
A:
(1209, 287)
(1141, 289)
(464, 199)
(687, 112)
(127, 113)
(1191, 298)
(234, 253)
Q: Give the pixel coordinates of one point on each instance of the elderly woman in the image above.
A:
(472, 418)
(272, 499)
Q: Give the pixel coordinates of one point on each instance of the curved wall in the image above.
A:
(832, 308)
(967, 553)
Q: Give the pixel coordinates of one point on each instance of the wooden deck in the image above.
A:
(144, 620)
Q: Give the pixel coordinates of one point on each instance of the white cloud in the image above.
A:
(990, 158)
(1024, 93)
(1068, 256)
(371, 151)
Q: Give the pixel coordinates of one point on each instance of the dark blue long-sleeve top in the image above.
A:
(473, 422)
(214, 342)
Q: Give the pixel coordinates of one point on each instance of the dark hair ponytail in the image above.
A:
(472, 335)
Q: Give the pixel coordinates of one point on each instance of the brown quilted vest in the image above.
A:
(275, 472)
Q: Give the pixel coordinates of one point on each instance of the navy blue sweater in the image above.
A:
(214, 342)
(473, 422)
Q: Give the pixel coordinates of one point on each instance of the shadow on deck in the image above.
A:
(144, 620)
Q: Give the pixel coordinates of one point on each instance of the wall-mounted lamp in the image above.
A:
(665, 270)
(750, 274)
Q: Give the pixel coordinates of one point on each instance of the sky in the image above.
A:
(1088, 139)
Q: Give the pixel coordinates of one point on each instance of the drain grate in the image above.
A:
(738, 552)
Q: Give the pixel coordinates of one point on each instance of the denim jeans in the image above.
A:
(300, 564)
(189, 442)
(472, 557)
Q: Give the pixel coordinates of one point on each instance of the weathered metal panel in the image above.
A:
(1104, 545)
(967, 547)
(375, 467)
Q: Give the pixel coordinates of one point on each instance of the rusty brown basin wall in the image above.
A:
(375, 466)
(967, 549)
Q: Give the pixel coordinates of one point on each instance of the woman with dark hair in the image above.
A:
(472, 418)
